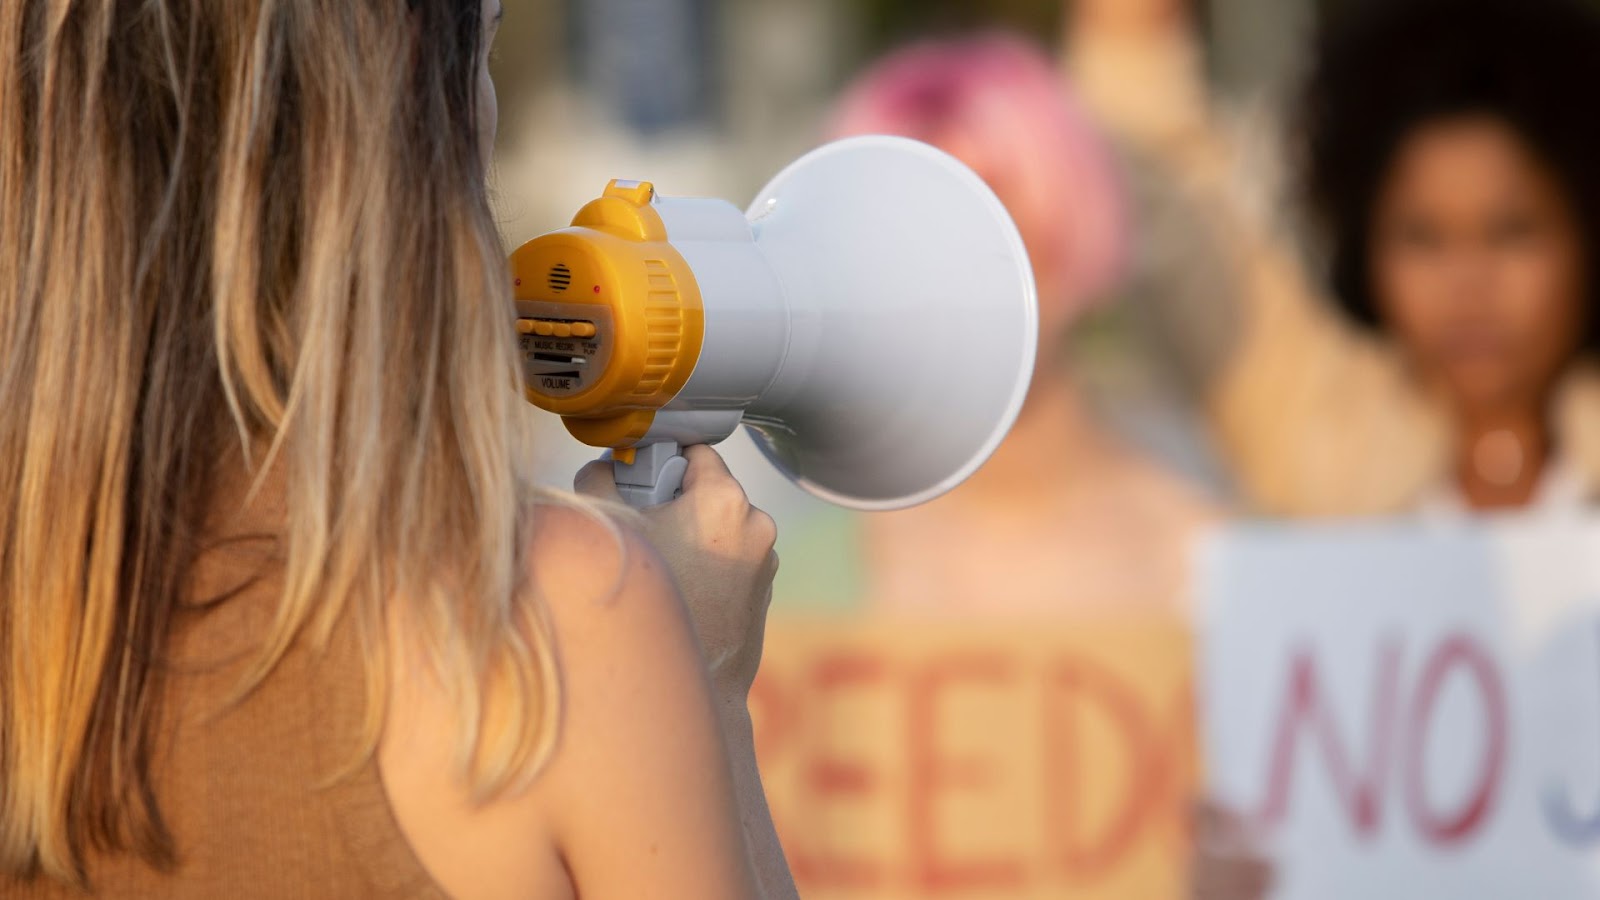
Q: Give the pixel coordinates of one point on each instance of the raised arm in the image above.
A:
(1312, 416)
(719, 549)
(646, 797)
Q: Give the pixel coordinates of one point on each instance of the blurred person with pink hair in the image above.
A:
(1064, 515)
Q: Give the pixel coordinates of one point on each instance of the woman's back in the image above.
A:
(275, 793)
(266, 795)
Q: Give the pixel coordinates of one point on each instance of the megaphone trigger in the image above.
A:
(872, 320)
(649, 475)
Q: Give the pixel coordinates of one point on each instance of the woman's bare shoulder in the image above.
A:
(577, 557)
(637, 794)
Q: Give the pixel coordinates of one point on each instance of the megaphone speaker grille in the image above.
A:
(560, 277)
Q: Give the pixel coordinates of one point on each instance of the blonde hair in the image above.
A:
(256, 224)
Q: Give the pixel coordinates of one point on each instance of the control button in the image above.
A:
(639, 193)
(550, 328)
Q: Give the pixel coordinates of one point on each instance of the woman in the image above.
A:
(1074, 518)
(1463, 211)
(280, 613)
(1453, 181)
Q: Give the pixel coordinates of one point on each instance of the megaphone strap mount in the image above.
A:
(655, 475)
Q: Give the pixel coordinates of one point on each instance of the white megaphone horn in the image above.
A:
(872, 320)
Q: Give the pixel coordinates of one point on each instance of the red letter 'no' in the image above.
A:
(1306, 710)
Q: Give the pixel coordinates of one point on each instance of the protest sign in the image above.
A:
(971, 759)
(1409, 710)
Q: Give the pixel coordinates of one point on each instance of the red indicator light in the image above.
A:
(597, 289)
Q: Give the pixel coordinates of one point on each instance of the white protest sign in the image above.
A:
(1408, 711)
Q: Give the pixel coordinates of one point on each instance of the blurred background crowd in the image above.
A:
(713, 98)
(1297, 258)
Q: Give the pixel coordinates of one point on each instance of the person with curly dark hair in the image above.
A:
(1448, 159)
(1443, 360)
(1452, 175)
(1454, 182)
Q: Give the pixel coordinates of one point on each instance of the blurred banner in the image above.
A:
(975, 759)
(1409, 712)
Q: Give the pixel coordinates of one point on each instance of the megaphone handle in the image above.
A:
(654, 477)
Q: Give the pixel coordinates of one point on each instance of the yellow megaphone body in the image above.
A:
(872, 319)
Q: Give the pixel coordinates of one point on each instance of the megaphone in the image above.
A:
(872, 320)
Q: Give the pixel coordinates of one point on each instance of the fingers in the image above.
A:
(1232, 879)
(1218, 826)
(707, 471)
(1227, 863)
(598, 480)
(710, 488)
(762, 529)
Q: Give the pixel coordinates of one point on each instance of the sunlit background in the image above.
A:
(708, 98)
(1008, 698)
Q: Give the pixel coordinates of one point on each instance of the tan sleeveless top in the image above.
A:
(249, 790)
